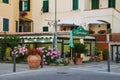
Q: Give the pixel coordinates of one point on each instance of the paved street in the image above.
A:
(93, 71)
(6, 68)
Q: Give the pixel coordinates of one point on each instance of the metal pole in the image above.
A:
(55, 33)
(108, 63)
(42, 61)
(108, 60)
(14, 63)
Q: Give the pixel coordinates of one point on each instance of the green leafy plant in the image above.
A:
(105, 52)
(80, 48)
(12, 39)
(97, 50)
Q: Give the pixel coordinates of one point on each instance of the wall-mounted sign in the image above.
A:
(80, 31)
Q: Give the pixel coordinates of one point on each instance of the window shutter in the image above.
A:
(75, 4)
(45, 6)
(16, 26)
(6, 1)
(95, 4)
(112, 3)
(28, 5)
(5, 24)
(20, 5)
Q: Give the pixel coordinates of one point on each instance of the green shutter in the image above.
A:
(95, 4)
(6, 1)
(45, 29)
(20, 5)
(75, 4)
(45, 6)
(16, 26)
(28, 5)
(112, 3)
(5, 24)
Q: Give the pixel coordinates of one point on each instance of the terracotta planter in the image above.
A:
(34, 61)
(78, 60)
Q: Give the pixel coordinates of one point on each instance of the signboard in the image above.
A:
(80, 31)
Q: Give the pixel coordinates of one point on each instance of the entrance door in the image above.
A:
(115, 51)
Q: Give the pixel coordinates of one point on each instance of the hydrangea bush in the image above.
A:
(50, 55)
(19, 52)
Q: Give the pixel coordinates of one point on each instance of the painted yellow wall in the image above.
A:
(11, 12)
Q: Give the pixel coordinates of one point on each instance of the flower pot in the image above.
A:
(78, 60)
(34, 61)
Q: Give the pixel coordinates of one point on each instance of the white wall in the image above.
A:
(103, 4)
(65, 12)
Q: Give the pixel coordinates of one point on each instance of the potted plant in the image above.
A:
(78, 49)
(105, 53)
(23, 13)
(102, 31)
(34, 58)
(91, 31)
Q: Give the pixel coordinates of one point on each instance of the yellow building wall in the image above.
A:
(11, 12)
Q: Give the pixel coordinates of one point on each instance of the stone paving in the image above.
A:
(101, 66)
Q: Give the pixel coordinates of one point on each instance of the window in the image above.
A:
(75, 4)
(5, 1)
(95, 4)
(5, 24)
(26, 27)
(24, 5)
(45, 7)
(111, 3)
(45, 29)
(16, 22)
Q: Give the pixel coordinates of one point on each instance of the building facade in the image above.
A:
(81, 11)
(97, 16)
(9, 15)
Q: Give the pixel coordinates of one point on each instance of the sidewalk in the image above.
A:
(101, 66)
(92, 66)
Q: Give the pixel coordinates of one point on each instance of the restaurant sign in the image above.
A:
(80, 31)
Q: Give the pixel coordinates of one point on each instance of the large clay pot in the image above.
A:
(34, 61)
(78, 60)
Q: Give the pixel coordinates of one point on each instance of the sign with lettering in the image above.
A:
(80, 31)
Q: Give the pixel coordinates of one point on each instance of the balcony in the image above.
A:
(98, 13)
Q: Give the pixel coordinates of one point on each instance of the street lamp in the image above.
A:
(55, 33)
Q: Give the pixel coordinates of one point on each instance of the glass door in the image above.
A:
(114, 52)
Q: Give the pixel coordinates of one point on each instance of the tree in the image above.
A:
(12, 40)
